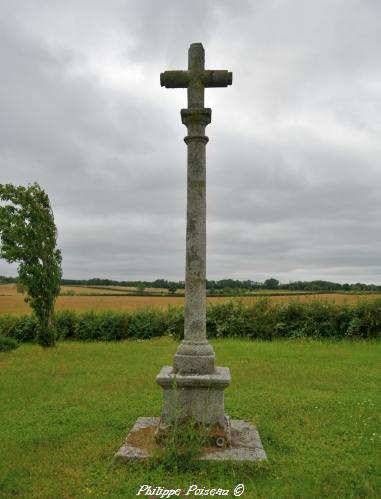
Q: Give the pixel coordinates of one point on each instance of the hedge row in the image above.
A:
(7, 344)
(232, 319)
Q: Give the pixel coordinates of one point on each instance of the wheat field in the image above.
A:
(12, 302)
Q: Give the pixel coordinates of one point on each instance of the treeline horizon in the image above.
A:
(222, 284)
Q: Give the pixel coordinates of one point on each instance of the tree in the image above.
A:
(271, 283)
(172, 287)
(28, 236)
(20, 287)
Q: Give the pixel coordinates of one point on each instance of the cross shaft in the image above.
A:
(195, 354)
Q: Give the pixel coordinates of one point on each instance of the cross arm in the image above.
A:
(216, 78)
(175, 79)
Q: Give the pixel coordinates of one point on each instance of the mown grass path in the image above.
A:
(65, 411)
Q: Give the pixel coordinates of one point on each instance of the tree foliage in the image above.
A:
(28, 236)
(172, 287)
(271, 283)
(20, 287)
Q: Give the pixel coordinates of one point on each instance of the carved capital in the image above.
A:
(196, 138)
(197, 116)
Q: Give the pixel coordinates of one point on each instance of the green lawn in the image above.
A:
(65, 411)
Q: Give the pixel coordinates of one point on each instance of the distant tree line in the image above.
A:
(329, 286)
(228, 285)
(7, 280)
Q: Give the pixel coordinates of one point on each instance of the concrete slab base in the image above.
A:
(245, 445)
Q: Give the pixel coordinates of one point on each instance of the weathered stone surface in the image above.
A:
(245, 445)
(200, 397)
(196, 78)
(137, 445)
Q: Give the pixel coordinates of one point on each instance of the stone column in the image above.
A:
(195, 354)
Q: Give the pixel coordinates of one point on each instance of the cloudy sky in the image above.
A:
(294, 158)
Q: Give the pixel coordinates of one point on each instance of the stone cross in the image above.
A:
(195, 355)
(193, 388)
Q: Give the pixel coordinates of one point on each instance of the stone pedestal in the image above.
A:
(199, 398)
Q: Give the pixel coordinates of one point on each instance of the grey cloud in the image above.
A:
(293, 159)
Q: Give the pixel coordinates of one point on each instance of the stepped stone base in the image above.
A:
(245, 443)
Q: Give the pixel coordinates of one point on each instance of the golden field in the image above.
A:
(12, 302)
(10, 289)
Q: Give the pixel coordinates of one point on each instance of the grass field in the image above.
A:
(65, 411)
(12, 302)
